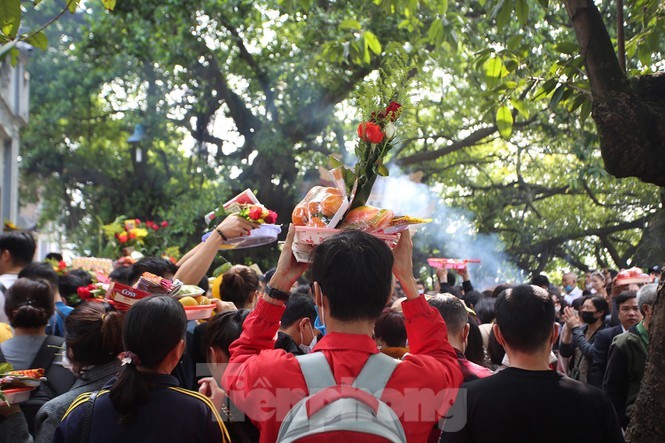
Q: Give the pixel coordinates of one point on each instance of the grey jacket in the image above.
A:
(49, 416)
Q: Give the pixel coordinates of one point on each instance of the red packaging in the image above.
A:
(124, 296)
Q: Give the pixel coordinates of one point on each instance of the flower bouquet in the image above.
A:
(126, 235)
(247, 206)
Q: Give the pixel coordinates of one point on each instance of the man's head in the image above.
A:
(352, 274)
(298, 318)
(16, 250)
(646, 298)
(155, 265)
(569, 281)
(42, 271)
(525, 320)
(454, 313)
(541, 280)
(629, 313)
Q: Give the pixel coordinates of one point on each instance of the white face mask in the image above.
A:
(308, 348)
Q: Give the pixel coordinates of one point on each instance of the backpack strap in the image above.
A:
(47, 351)
(375, 374)
(316, 370)
(87, 418)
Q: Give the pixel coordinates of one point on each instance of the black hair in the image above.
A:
(600, 304)
(495, 351)
(475, 351)
(29, 303)
(204, 284)
(94, 335)
(82, 274)
(155, 265)
(540, 280)
(577, 303)
(451, 278)
(21, 246)
(153, 326)
(525, 315)
(354, 271)
(390, 327)
(499, 289)
(54, 256)
(452, 311)
(121, 274)
(298, 307)
(68, 285)
(471, 298)
(42, 271)
(624, 296)
(485, 309)
(223, 329)
(238, 285)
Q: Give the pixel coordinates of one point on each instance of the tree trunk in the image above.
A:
(629, 115)
(647, 423)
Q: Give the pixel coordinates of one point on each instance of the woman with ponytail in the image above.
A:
(145, 402)
(94, 340)
(240, 286)
(29, 306)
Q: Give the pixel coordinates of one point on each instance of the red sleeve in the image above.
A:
(258, 331)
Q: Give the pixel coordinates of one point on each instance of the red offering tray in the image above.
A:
(450, 263)
(199, 312)
(16, 395)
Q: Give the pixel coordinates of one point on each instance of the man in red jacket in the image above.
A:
(352, 284)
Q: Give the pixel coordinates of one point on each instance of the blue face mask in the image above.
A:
(318, 324)
(568, 288)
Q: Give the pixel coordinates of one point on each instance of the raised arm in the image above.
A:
(194, 269)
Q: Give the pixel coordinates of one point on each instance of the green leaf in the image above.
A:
(520, 106)
(557, 96)
(443, 7)
(72, 5)
(14, 54)
(38, 40)
(504, 121)
(546, 88)
(567, 48)
(585, 110)
(503, 16)
(373, 42)
(109, 4)
(435, 32)
(544, 3)
(334, 162)
(493, 68)
(10, 17)
(382, 170)
(350, 24)
(522, 11)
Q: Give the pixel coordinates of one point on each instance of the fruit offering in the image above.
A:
(318, 208)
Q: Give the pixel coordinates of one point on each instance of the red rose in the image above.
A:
(84, 293)
(122, 237)
(62, 265)
(137, 221)
(391, 110)
(370, 132)
(255, 212)
(165, 224)
(271, 217)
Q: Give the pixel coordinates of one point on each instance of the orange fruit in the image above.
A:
(313, 208)
(188, 301)
(330, 204)
(300, 216)
(316, 222)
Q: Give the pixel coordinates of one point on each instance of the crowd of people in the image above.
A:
(351, 346)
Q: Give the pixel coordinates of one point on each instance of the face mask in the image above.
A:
(308, 348)
(319, 323)
(568, 288)
(557, 309)
(587, 317)
(67, 364)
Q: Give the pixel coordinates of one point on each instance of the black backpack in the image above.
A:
(58, 378)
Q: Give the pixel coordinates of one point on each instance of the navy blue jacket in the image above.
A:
(171, 414)
(601, 349)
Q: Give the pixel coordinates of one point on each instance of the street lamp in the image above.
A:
(135, 140)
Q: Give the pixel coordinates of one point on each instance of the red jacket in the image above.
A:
(265, 382)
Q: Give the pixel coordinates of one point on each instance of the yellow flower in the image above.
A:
(138, 233)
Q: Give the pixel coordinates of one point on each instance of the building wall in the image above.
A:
(14, 111)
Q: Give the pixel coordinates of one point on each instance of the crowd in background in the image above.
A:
(127, 367)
